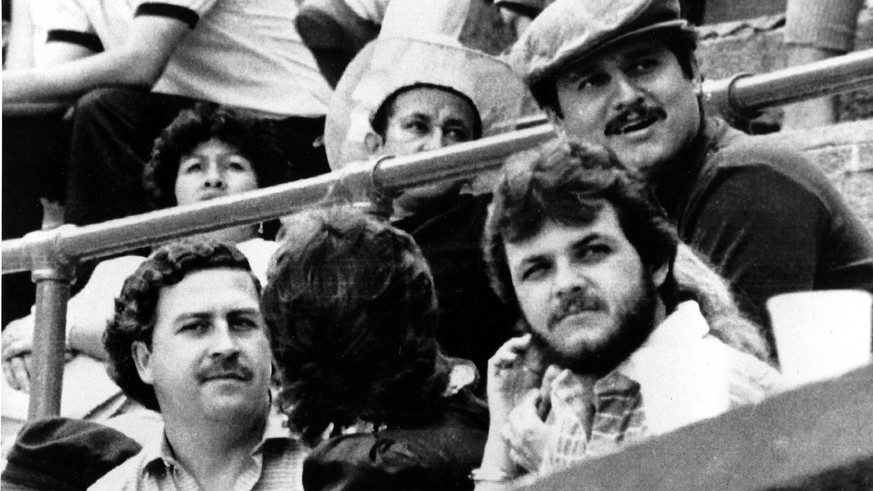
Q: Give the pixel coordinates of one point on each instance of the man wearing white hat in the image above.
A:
(622, 73)
(402, 96)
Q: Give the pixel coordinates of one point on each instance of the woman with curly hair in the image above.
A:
(352, 312)
(207, 152)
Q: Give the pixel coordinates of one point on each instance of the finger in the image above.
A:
(19, 371)
(10, 376)
(28, 365)
(510, 352)
(15, 349)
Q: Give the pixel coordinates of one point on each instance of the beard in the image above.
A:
(633, 325)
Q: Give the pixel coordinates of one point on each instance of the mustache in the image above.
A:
(638, 112)
(225, 367)
(573, 302)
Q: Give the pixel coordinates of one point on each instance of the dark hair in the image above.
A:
(351, 307)
(566, 183)
(253, 138)
(136, 306)
(682, 42)
(379, 119)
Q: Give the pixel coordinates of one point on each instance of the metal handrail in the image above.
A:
(70, 244)
(747, 94)
(51, 254)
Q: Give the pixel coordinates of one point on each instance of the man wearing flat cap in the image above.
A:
(622, 73)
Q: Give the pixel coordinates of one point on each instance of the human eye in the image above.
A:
(244, 322)
(239, 164)
(534, 270)
(592, 81)
(593, 252)
(416, 125)
(457, 133)
(194, 326)
(190, 166)
(644, 65)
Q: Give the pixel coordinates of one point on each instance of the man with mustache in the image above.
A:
(188, 340)
(579, 248)
(623, 74)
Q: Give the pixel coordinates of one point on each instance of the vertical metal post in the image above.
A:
(52, 278)
(52, 293)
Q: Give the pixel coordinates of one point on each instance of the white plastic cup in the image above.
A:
(821, 334)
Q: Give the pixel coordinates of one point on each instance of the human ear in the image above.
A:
(142, 359)
(373, 142)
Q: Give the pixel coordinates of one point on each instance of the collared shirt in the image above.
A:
(276, 464)
(680, 375)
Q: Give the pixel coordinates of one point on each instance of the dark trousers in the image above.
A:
(114, 130)
(35, 150)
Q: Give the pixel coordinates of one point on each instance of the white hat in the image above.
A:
(391, 63)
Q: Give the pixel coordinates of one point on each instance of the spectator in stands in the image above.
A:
(207, 152)
(353, 316)
(580, 248)
(816, 30)
(188, 340)
(402, 96)
(336, 30)
(169, 55)
(623, 74)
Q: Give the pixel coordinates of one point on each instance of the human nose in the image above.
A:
(223, 341)
(567, 280)
(434, 140)
(214, 176)
(626, 92)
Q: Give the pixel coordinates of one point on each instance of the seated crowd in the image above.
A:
(609, 288)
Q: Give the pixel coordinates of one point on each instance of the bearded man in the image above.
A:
(581, 250)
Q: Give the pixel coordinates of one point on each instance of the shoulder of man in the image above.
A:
(736, 151)
(125, 477)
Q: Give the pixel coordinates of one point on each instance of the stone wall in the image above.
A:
(756, 46)
(844, 152)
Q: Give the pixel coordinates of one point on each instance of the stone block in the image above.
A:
(833, 161)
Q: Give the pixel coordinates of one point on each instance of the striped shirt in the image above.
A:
(680, 375)
(276, 464)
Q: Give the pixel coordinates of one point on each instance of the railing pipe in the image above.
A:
(71, 243)
(746, 94)
(838, 74)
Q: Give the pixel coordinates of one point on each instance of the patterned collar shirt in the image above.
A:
(276, 464)
(680, 375)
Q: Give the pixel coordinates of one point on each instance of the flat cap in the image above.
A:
(570, 30)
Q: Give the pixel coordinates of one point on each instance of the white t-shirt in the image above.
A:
(240, 53)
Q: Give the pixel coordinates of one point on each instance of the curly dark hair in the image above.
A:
(253, 138)
(351, 307)
(681, 41)
(567, 183)
(135, 308)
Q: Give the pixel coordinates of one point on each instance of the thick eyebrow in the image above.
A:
(459, 122)
(588, 239)
(414, 115)
(642, 51)
(208, 315)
